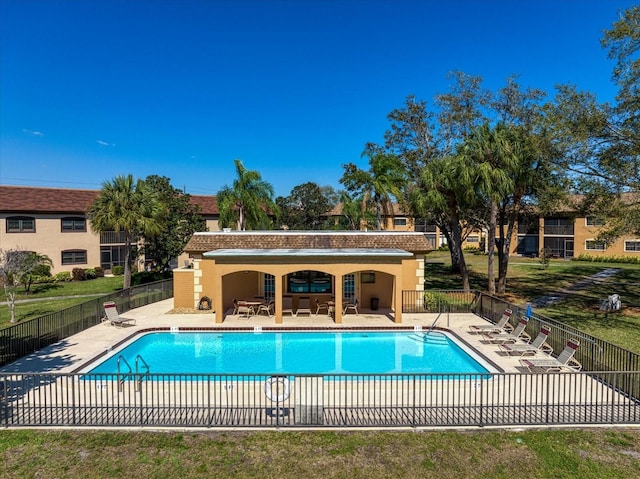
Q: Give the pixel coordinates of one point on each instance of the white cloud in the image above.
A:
(103, 143)
(32, 132)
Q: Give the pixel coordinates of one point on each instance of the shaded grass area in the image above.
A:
(528, 280)
(498, 454)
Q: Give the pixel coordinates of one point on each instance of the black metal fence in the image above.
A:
(594, 354)
(398, 400)
(29, 336)
(439, 301)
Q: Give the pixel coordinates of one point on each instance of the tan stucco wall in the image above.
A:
(224, 279)
(183, 284)
(49, 240)
(582, 233)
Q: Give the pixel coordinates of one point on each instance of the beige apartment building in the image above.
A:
(53, 222)
(568, 236)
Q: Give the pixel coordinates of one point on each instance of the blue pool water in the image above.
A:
(363, 352)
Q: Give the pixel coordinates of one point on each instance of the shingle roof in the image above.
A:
(35, 199)
(45, 200)
(209, 241)
(208, 204)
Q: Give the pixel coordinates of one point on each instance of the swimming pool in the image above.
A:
(288, 353)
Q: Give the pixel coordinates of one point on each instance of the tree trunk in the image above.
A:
(491, 247)
(456, 242)
(127, 261)
(503, 254)
(11, 302)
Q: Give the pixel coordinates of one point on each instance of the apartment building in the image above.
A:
(567, 236)
(53, 222)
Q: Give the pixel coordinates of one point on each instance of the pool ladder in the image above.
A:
(138, 376)
(424, 336)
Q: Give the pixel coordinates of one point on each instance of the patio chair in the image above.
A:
(304, 306)
(564, 361)
(267, 307)
(539, 344)
(512, 337)
(321, 307)
(349, 305)
(287, 305)
(112, 315)
(500, 327)
(245, 309)
(235, 307)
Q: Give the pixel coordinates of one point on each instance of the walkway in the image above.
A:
(597, 278)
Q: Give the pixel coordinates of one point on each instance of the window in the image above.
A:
(632, 245)
(21, 224)
(76, 256)
(558, 226)
(349, 287)
(309, 282)
(592, 245)
(399, 221)
(269, 286)
(421, 225)
(593, 221)
(73, 224)
(473, 239)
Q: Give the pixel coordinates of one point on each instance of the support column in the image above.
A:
(337, 314)
(278, 297)
(217, 299)
(397, 293)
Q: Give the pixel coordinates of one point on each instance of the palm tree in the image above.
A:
(128, 206)
(246, 202)
(385, 179)
(489, 153)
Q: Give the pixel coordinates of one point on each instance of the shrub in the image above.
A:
(90, 273)
(62, 276)
(99, 272)
(545, 257)
(78, 274)
(145, 277)
(607, 259)
(435, 301)
(117, 270)
(43, 279)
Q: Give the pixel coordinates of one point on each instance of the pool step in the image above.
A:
(430, 338)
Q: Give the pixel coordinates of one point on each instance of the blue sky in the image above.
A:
(94, 89)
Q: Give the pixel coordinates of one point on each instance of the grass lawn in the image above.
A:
(60, 297)
(528, 280)
(576, 453)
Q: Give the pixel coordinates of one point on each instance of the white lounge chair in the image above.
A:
(112, 315)
(518, 333)
(564, 361)
(539, 344)
(501, 326)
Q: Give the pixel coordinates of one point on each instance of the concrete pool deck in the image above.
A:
(70, 354)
